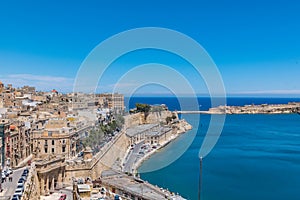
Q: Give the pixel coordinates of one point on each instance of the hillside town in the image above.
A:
(78, 146)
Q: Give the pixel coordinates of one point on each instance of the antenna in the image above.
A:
(200, 179)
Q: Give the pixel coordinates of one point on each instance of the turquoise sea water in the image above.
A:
(256, 157)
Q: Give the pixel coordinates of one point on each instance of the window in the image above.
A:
(63, 149)
(52, 142)
(46, 142)
(52, 150)
(46, 150)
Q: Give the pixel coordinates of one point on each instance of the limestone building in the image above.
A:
(50, 173)
(57, 138)
(113, 101)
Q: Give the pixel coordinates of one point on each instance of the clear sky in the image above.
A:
(254, 43)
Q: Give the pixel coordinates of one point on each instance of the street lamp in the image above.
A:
(3, 152)
(200, 179)
(3, 145)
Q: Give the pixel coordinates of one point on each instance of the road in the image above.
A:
(56, 195)
(132, 157)
(10, 187)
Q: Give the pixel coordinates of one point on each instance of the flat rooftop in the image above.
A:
(139, 129)
(138, 187)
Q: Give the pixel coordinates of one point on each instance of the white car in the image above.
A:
(15, 197)
(3, 175)
(18, 192)
(9, 171)
(20, 182)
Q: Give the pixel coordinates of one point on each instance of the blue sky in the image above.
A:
(255, 44)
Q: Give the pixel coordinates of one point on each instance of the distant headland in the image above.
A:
(289, 108)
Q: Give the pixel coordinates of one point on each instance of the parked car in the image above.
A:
(15, 197)
(103, 190)
(20, 182)
(6, 173)
(3, 175)
(80, 154)
(9, 171)
(24, 178)
(117, 197)
(21, 187)
(80, 181)
(18, 192)
(25, 173)
(63, 197)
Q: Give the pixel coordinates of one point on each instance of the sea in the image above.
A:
(256, 157)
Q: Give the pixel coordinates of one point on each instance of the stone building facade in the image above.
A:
(113, 101)
(50, 174)
(57, 138)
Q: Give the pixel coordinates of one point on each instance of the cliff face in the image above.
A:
(152, 118)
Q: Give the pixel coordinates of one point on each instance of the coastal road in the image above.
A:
(132, 157)
(10, 187)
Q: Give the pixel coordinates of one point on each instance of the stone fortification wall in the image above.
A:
(133, 120)
(152, 118)
(182, 126)
(103, 160)
(113, 151)
(158, 117)
(32, 187)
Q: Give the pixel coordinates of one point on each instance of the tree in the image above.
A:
(119, 119)
(94, 138)
(168, 119)
(145, 108)
(140, 107)
(174, 116)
